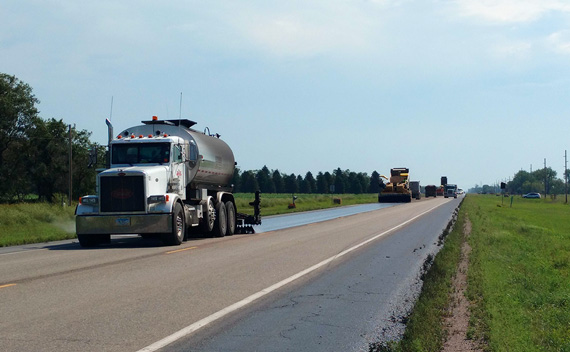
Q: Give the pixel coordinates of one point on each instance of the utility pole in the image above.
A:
(70, 168)
(545, 180)
(566, 175)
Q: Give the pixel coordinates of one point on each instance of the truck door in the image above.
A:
(178, 172)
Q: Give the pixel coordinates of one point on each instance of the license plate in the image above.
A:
(123, 221)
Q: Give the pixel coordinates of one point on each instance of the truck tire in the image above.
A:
(176, 237)
(221, 222)
(208, 220)
(231, 214)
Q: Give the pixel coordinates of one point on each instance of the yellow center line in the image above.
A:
(181, 250)
(8, 285)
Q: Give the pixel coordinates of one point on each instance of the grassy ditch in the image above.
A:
(519, 275)
(26, 223)
(518, 278)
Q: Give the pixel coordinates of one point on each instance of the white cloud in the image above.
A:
(510, 11)
(515, 49)
(560, 41)
(312, 29)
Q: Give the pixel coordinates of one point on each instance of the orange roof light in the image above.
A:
(119, 137)
(165, 135)
(132, 136)
(155, 118)
(150, 136)
(141, 136)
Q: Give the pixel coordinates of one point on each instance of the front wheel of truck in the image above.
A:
(176, 237)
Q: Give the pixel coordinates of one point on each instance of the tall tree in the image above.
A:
(329, 180)
(311, 183)
(339, 181)
(322, 185)
(249, 182)
(374, 186)
(278, 182)
(17, 113)
(236, 180)
(49, 158)
(265, 180)
(291, 185)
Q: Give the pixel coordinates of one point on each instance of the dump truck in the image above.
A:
(416, 190)
(398, 187)
(430, 191)
(163, 180)
(440, 191)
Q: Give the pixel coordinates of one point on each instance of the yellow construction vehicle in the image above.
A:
(397, 190)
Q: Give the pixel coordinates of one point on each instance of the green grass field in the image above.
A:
(520, 273)
(273, 204)
(40, 222)
(35, 222)
(518, 278)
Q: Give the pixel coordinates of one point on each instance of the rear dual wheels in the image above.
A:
(231, 214)
(221, 222)
(225, 222)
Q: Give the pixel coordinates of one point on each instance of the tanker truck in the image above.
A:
(164, 179)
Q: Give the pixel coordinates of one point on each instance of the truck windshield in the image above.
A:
(141, 153)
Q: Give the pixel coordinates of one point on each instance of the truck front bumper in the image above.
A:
(123, 224)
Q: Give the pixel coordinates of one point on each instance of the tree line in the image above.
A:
(273, 181)
(542, 181)
(34, 153)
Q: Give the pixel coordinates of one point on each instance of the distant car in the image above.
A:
(532, 195)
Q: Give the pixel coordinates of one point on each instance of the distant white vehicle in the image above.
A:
(532, 195)
(460, 191)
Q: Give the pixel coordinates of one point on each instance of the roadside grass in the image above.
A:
(518, 278)
(36, 222)
(277, 203)
(519, 274)
(25, 223)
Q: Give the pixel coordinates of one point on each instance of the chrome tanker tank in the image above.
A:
(209, 162)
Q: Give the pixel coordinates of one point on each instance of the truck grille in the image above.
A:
(122, 194)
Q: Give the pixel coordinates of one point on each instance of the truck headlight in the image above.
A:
(157, 199)
(89, 200)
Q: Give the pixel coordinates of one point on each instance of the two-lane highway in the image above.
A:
(135, 294)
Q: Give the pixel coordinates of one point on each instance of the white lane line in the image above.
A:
(201, 323)
(24, 251)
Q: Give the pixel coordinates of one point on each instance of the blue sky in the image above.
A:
(472, 89)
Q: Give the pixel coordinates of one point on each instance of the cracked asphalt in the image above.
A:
(350, 306)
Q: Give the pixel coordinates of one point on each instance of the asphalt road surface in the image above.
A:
(332, 285)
